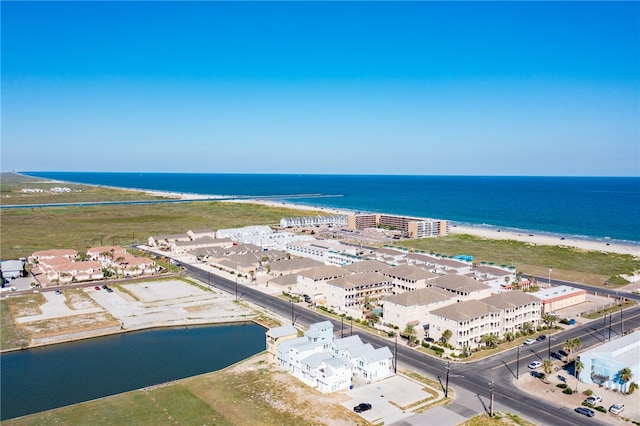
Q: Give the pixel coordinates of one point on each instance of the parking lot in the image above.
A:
(392, 399)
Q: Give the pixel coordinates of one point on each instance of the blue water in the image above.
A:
(54, 376)
(579, 207)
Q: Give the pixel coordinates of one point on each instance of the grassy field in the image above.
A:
(250, 393)
(566, 263)
(11, 186)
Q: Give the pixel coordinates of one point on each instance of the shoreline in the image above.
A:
(488, 232)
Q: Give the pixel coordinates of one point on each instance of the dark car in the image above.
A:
(104, 287)
(541, 337)
(586, 411)
(429, 339)
(362, 407)
(109, 290)
(556, 355)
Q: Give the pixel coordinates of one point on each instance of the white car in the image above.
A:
(616, 408)
(594, 399)
(535, 364)
(529, 342)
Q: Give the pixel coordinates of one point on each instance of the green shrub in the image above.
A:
(601, 409)
(425, 345)
(568, 391)
(588, 392)
(562, 385)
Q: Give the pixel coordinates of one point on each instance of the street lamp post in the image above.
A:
(549, 339)
(236, 288)
(292, 317)
(518, 364)
(549, 277)
(491, 399)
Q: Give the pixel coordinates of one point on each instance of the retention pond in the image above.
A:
(54, 376)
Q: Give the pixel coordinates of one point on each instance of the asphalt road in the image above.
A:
(501, 368)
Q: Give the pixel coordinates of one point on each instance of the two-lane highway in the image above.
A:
(500, 368)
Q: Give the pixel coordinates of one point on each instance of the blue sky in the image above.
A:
(452, 88)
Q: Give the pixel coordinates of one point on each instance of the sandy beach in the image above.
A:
(494, 234)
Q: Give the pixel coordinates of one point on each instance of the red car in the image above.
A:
(96, 288)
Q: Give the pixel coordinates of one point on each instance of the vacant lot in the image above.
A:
(250, 393)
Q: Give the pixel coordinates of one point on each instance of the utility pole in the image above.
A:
(351, 332)
(491, 400)
(549, 339)
(292, 318)
(395, 357)
(341, 327)
(610, 326)
(446, 387)
(236, 288)
(518, 364)
(621, 323)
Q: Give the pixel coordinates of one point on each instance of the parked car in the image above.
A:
(556, 355)
(537, 374)
(104, 287)
(535, 364)
(593, 399)
(541, 337)
(429, 339)
(362, 407)
(586, 411)
(616, 408)
(58, 292)
(109, 290)
(529, 342)
(562, 378)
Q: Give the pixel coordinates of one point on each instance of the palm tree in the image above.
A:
(527, 328)
(446, 335)
(509, 336)
(549, 320)
(490, 340)
(625, 375)
(578, 366)
(547, 366)
(410, 332)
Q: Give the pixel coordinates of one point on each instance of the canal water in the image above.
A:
(49, 377)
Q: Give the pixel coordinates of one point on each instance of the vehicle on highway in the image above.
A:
(541, 337)
(529, 342)
(362, 407)
(616, 408)
(586, 411)
(535, 364)
(96, 288)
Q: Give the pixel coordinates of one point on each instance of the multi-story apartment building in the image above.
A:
(412, 227)
(517, 308)
(296, 222)
(353, 290)
(412, 307)
(463, 287)
(468, 321)
(408, 277)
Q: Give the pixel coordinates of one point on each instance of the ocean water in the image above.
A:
(578, 207)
